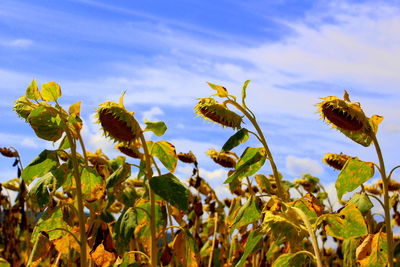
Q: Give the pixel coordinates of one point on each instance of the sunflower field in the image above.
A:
(76, 207)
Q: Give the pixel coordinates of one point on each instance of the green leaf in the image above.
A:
(166, 153)
(253, 240)
(284, 226)
(118, 176)
(32, 91)
(349, 252)
(361, 138)
(348, 223)
(236, 204)
(53, 179)
(158, 127)
(362, 202)
(51, 91)
(221, 91)
(124, 228)
(4, 263)
(129, 196)
(143, 212)
(45, 121)
(354, 173)
(42, 164)
(51, 219)
(244, 90)
(250, 212)
(93, 187)
(252, 159)
(305, 205)
(239, 137)
(291, 260)
(128, 260)
(171, 190)
(64, 143)
(263, 183)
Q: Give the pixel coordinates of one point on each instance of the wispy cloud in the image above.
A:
(17, 43)
(298, 166)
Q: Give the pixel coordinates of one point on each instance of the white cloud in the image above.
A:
(217, 175)
(298, 166)
(17, 43)
(223, 192)
(29, 142)
(151, 114)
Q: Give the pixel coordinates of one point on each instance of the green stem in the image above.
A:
(312, 235)
(213, 240)
(281, 194)
(81, 215)
(149, 174)
(385, 182)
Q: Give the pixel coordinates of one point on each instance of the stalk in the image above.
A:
(213, 240)
(253, 121)
(312, 235)
(149, 174)
(81, 215)
(385, 182)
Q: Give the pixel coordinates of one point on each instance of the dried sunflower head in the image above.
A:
(373, 189)
(8, 152)
(392, 185)
(187, 157)
(130, 149)
(225, 159)
(23, 106)
(349, 118)
(117, 122)
(210, 109)
(336, 161)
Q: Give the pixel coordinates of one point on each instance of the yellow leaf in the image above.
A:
(221, 91)
(102, 257)
(75, 108)
(375, 121)
(67, 241)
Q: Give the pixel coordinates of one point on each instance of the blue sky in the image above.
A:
(164, 52)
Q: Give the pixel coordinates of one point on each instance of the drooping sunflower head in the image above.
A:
(214, 111)
(187, 157)
(349, 118)
(342, 114)
(225, 159)
(130, 149)
(23, 106)
(117, 122)
(335, 161)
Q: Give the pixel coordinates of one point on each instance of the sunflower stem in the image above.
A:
(81, 215)
(253, 121)
(149, 174)
(311, 234)
(385, 182)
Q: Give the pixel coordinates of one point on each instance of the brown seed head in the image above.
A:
(130, 149)
(210, 109)
(335, 161)
(187, 157)
(224, 159)
(7, 152)
(342, 114)
(118, 123)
